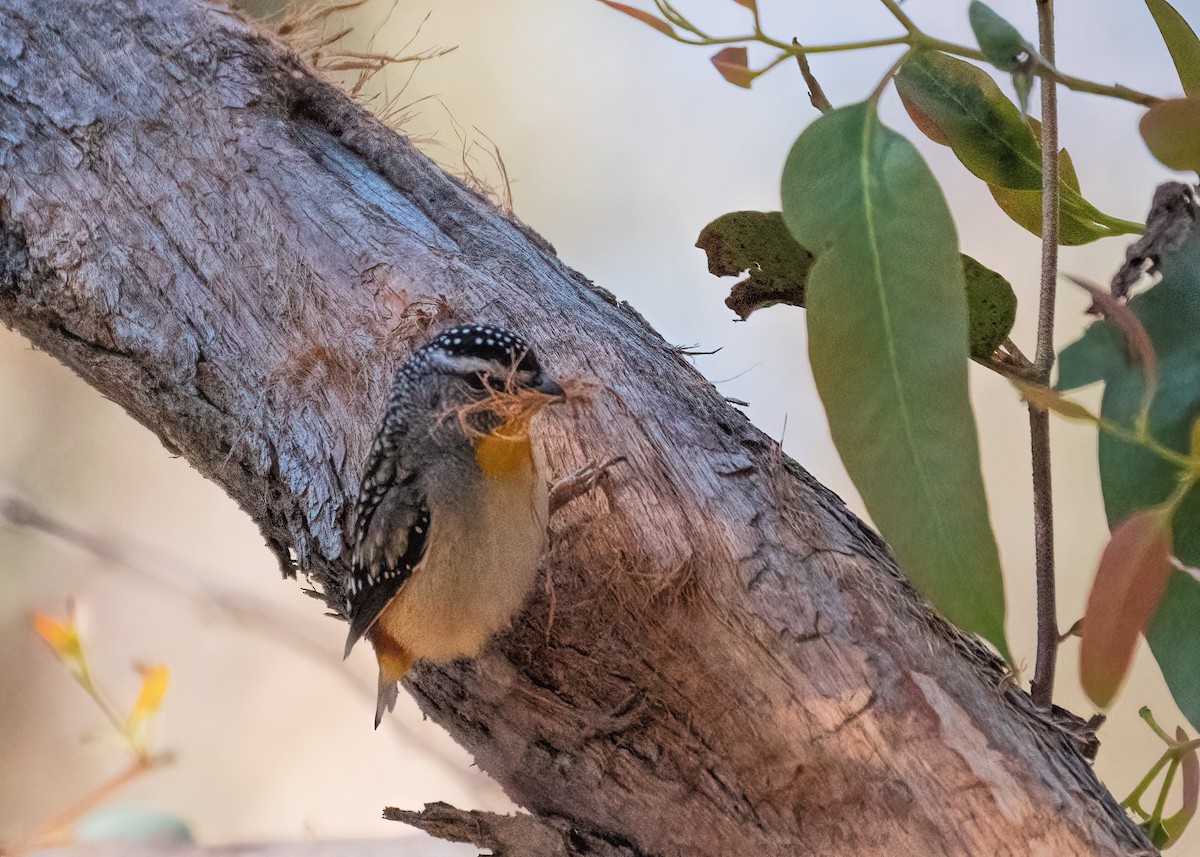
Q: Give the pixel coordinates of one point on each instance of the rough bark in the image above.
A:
(723, 660)
(342, 848)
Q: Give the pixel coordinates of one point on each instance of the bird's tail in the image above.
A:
(394, 661)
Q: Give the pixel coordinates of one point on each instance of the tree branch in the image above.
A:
(519, 835)
(220, 241)
(1042, 687)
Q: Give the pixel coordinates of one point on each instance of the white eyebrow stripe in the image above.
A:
(460, 364)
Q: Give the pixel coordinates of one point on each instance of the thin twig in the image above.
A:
(1042, 687)
(198, 587)
(1116, 90)
(55, 830)
(898, 14)
(815, 94)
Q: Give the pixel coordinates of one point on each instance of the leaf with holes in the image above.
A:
(991, 308)
(887, 328)
(759, 244)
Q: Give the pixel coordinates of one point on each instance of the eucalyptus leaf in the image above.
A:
(959, 105)
(759, 244)
(1132, 477)
(991, 308)
(1002, 44)
(1181, 41)
(1171, 130)
(973, 117)
(887, 327)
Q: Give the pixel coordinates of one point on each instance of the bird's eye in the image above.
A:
(478, 381)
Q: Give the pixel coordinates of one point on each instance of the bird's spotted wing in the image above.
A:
(391, 532)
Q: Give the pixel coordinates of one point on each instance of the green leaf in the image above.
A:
(1001, 43)
(972, 117)
(1132, 477)
(1171, 130)
(1091, 358)
(1024, 207)
(1023, 84)
(959, 105)
(1174, 826)
(1181, 42)
(758, 243)
(991, 308)
(1130, 581)
(887, 326)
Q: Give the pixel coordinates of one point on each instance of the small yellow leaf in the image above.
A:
(1045, 399)
(62, 637)
(150, 694)
(1195, 447)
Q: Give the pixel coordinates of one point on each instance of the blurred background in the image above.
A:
(619, 145)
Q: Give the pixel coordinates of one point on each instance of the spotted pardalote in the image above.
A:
(451, 515)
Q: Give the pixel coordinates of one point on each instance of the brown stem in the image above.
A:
(815, 93)
(54, 830)
(1042, 688)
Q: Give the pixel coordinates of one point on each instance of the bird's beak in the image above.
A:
(549, 386)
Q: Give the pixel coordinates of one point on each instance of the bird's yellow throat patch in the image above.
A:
(507, 449)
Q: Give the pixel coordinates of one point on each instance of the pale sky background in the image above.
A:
(621, 145)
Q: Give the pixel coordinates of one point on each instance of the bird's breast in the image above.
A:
(502, 456)
(483, 555)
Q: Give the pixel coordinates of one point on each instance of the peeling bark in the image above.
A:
(723, 661)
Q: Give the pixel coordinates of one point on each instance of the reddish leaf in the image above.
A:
(749, 4)
(645, 17)
(1129, 583)
(985, 129)
(924, 122)
(62, 636)
(732, 64)
(1119, 313)
(1172, 131)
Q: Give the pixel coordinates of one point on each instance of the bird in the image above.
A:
(451, 516)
